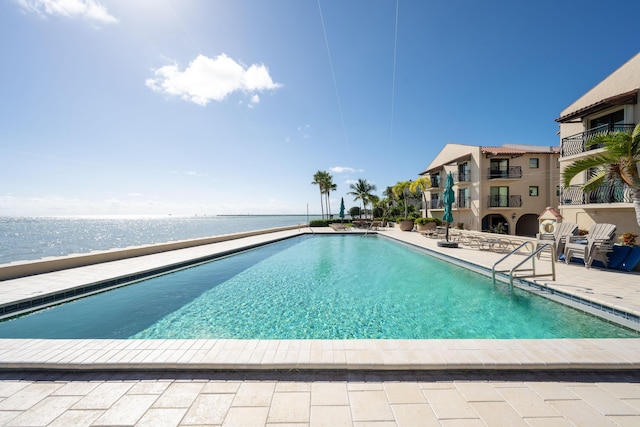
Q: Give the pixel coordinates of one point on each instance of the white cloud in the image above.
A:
(211, 79)
(344, 169)
(188, 173)
(91, 10)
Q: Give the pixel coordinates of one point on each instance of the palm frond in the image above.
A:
(581, 165)
(595, 181)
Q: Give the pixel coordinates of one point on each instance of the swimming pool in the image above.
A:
(315, 287)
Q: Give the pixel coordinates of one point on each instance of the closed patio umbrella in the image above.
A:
(448, 198)
(341, 209)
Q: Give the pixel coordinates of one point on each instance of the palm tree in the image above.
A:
(420, 185)
(620, 160)
(329, 186)
(399, 191)
(319, 179)
(388, 192)
(362, 191)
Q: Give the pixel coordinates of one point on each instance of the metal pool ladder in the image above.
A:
(532, 256)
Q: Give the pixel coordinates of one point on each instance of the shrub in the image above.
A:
(498, 229)
(325, 222)
(423, 221)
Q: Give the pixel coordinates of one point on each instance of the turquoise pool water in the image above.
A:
(315, 287)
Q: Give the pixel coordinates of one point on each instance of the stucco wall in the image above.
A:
(624, 79)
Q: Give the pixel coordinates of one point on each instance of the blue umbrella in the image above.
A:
(341, 209)
(448, 198)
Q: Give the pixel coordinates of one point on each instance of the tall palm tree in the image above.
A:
(620, 160)
(362, 191)
(329, 186)
(319, 179)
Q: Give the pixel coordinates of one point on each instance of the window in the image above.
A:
(463, 198)
(609, 120)
(499, 168)
(533, 163)
(463, 172)
(499, 197)
(435, 180)
(533, 191)
(435, 201)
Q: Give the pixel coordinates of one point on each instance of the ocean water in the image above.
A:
(30, 238)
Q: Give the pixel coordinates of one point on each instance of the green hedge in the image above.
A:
(325, 222)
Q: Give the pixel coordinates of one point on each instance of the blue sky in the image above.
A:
(230, 106)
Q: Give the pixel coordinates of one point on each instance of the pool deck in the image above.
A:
(322, 382)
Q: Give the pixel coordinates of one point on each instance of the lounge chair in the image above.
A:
(338, 226)
(559, 237)
(592, 247)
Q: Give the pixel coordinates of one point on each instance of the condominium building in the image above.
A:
(610, 106)
(496, 187)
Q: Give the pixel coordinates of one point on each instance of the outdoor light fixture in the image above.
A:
(513, 215)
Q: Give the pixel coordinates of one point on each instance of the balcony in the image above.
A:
(511, 172)
(504, 202)
(461, 176)
(435, 204)
(609, 193)
(577, 144)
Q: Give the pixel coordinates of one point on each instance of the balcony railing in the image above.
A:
(511, 172)
(609, 193)
(435, 204)
(576, 144)
(435, 181)
(504, 202)
(461, 176)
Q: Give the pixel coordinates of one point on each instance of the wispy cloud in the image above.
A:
(188, 173)
(345, 169)
(90, 10)
(211, 79)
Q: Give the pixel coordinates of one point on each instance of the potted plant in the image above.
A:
(424, 224)
(628, 239)
(405, 224)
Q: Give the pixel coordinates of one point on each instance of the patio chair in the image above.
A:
(559, 237)
(598, 243)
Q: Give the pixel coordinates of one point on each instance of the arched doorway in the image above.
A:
(493, 222)
(527, 225)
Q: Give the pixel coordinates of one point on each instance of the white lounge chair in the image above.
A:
(559, 237)
(593, 247)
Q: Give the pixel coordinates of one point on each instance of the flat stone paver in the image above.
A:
(489, 398)
(325, 382)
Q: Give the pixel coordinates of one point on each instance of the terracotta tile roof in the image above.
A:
(630, 97)
(513, 150)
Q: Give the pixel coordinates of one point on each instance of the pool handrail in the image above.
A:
(531, 256)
